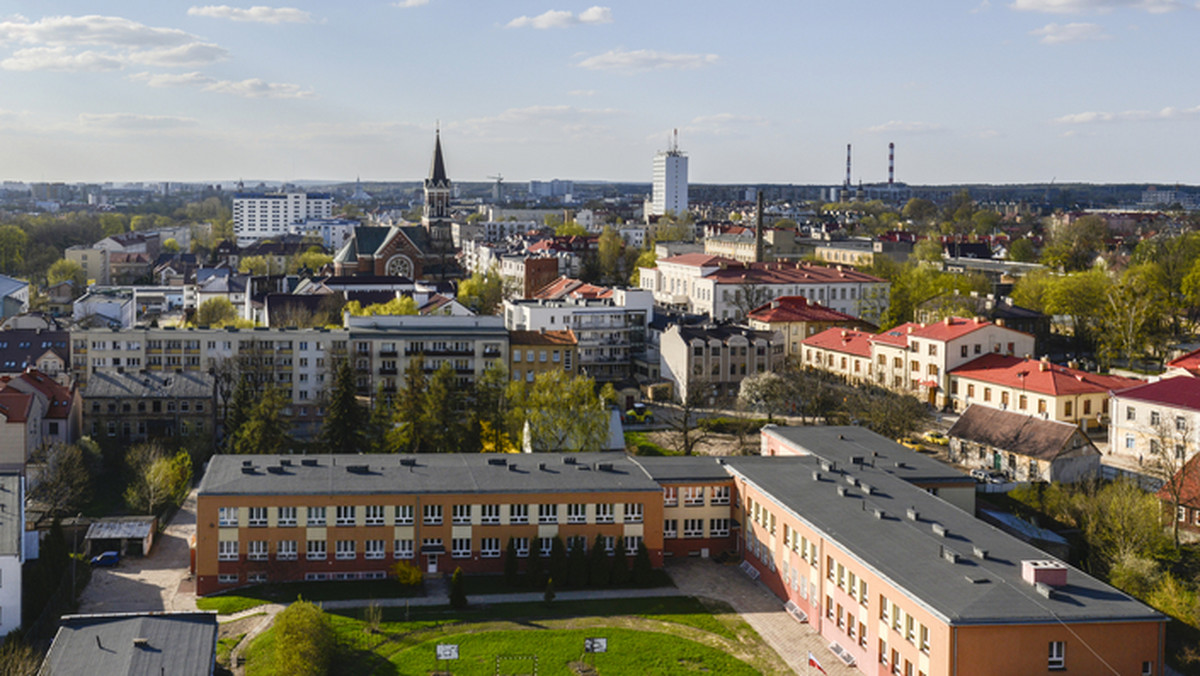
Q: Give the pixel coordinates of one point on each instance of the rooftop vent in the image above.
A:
(604, 466)
(857, 460)
(408, 462)
(497, 461)
(816, 475)
(1044, 571)
(912, 514)
(247, 470)
(582, 466)
(979, 552)
(569, 460)
(880, 514)
(1044, 589)
(141, 642)
(950, 555)
(841, 491)
(542, 466)
(274, 469)
(866, 488)
(358, 469)
(309, 462)
(977, 579)
(900, 465)
(512, 468)
(285, 463)
(939, 530)
(827, 466)
(247, 463)
(851, 480)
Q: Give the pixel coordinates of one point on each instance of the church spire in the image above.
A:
(437, 172)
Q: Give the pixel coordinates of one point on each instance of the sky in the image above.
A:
(977, 91)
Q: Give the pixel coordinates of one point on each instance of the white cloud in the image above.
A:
(1063, 34)
(582, 92)
(193, 79)
(90, 30)
(982, 7)
(189, 55)
(133, 122)
(255, 88)
(1086, 6)
(900, 127)
(721, 124)
(537, 124)
(256, 14)
(1092, 117)
(555, 18)
(646, 59)
(58, 58)
(406, 4)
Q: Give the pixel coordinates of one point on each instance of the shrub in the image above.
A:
(619, 574)
(577, 567)
(511, 569)
(599, 568)
(725, 425)
(407, 574)
(535, 570)
(641, 565)
(558, 559)
(304, 640)
(458, 590)
(548, 595)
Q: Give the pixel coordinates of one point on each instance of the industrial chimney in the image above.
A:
(891, 165)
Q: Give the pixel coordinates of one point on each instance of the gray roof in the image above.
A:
(840, 444)
(181, 644)
(120, 528)
(12, 526)
(673, 468)
(1022, 434)
(150, 384)
(11, 285)
(909, 554)
(431, 473)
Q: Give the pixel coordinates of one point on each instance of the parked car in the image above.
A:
(936, 438)
(640, 414)
(909, 442)
(106, 560)
(986, 476)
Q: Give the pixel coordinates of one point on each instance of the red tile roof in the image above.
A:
(1180, 392)
(14, 406)
(555, 337)
(788, 273)
(1189, 362)
(797, 309)
(566, 287)
(849, 341)
(950, 328)
(58, 397)
(1188, 481)
(1038, 376)
(897, 335)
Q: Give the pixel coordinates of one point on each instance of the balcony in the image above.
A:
(388, 353)
(388, 371)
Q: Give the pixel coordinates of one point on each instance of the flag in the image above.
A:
(812, 662)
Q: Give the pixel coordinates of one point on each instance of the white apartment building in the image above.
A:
(1147, 417)
(334, 232)
(670, 183)
(12, 549)
(260, 215)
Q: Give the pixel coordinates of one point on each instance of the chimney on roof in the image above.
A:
(979, 320)
(844, 334)
(775, 304)
(949, 321)
(1047, 572)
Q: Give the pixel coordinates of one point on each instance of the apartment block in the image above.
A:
(712, 360)
(1154, 418)
(260, 215)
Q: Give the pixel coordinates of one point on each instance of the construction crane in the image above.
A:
(498, 188)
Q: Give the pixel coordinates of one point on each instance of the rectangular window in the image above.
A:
(316, 516)
(287, 517)
(670, 496)
(522, 547)
(403, 549)
(460, 515)
(544, 546)
(432, 515)
(576, 513)
(374, 515)
(1131, 413)
(316, 550)
(285, 550)
(489, 514)
(257, 550)
(924, 639)
(345, 515)
(518, 513)
(460, 548)
(632, 543)
(404, 515)
(693, 528)
(227, 517)
(604, 512)
(718, 528)
(225, 578)
(547, 513)
(489, 548)
(910, 633)
(633, 512)
(345, 550)
(720, 495)
(256, 517)
(373, 549)
(1058, 659)
(693, 496)
(227, 550)
(671, 528)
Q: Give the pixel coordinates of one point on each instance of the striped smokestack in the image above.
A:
(758, 230)
(847, 165)
(891, 164)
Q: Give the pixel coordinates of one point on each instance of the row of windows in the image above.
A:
(694, 528)
(348, 550)
(432, 515)
(693, 496)
(156, 406)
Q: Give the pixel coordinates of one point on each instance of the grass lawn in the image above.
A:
(285, 592)
(226, 646)
(646, 636)
(642, 445)
(479, 585)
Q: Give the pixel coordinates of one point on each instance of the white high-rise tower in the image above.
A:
(670, 181)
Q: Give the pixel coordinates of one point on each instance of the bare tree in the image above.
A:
(1170, 447)
(750, 295)
(686, 434)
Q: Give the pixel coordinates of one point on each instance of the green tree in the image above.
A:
(241, 402)
(265, 431)
(1022, 251)
(410, 407)
(13, 241)
(1033, 290)
(645, 259)
(142, 222)
(170, 245)
(1120, 520)
(512, 569)
(305, 642)
(1073, 246)
(113, 224)
(458, 590)
(1080, 296)
(344, 429)
(156, 478)
(928, 250)
(441, 414)
(483, 292)
(66, 270)
(641, 565)
(558, 559)
(312, 260)
(577, 564)
(401, 305)
(491, 409)
(535, 567)
(383, 424)
(65, 474)
(548, 595)
(919, 210)
(216, 313)
(609, 249)
(18, 658)
(1133, 322)
(599, 568)
(570, 229)
(560, 412)
(254, 265)
(620, 564)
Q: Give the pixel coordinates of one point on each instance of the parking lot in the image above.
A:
(155, 582)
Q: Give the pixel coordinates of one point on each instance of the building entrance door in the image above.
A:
(431, 563)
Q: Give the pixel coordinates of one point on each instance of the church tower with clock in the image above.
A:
(436, 217)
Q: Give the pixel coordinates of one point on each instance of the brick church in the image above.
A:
(413, 251)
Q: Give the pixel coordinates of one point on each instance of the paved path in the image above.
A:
(149, 583)
(761, 609)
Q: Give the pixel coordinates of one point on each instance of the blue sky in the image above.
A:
(990, 91)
